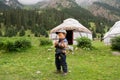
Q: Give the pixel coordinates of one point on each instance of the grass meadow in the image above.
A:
(37, 63)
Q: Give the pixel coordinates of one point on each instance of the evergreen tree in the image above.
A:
(1, 33)
(43, 32)
(10, 32)
(41, 21)
(22, 32)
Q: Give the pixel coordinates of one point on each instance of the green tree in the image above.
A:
(10, 32)
(22, 32)
(1, 33)
(43, 32)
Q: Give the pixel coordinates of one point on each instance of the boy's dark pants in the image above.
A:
(60, 60)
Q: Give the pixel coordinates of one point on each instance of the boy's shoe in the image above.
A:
(57, 72)
(65, 73)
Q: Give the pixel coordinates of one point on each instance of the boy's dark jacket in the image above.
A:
(60, 49)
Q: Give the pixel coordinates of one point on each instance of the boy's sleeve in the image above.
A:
(66, 43)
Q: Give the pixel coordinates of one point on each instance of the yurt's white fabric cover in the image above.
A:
(71, 24)
(114, 31)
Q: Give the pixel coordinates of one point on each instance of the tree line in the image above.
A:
(16, 21)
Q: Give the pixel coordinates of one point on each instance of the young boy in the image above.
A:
(60, 56)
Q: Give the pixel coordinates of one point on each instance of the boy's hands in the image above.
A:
(61, 45)
(55, 43)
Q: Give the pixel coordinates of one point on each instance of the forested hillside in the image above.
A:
(16, 21)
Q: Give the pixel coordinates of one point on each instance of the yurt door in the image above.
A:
(70, 37)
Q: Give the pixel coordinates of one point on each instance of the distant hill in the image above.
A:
(96, 15)
(109, 9)
(57, 4)
(12, 3)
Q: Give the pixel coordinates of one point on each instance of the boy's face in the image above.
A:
(61, 35)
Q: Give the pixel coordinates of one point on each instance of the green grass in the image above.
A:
(98, 64)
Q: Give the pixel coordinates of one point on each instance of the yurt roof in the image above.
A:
(114, 30)
(71, 24)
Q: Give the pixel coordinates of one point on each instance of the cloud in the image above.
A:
(30, 2)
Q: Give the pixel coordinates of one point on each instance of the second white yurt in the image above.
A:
(114, 31)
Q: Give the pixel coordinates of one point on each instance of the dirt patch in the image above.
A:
(116, 53)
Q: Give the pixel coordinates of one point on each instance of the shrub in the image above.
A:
(15, 45)
(115, 43)
(9, 46)
(84, 43)
(22, 44)
(45, 41)
(1, 45)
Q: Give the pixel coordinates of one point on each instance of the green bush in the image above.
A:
(115, 43)
(1, 45)
(15, 45)
(45, 41)
(9, 46)
(84, 43)
(22, 44)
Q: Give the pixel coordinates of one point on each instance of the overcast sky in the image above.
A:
(28, 2)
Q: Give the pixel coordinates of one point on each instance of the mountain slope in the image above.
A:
(111, 12)
(61, 3)
(58, 4)
(12, 3)
(109, 9)
(85, 3)
(51, 15)
(3, 6)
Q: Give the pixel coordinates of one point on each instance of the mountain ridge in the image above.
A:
(101, 8)
(51, 15)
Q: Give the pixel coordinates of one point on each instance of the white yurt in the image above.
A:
(74, 30)
(114, 31)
